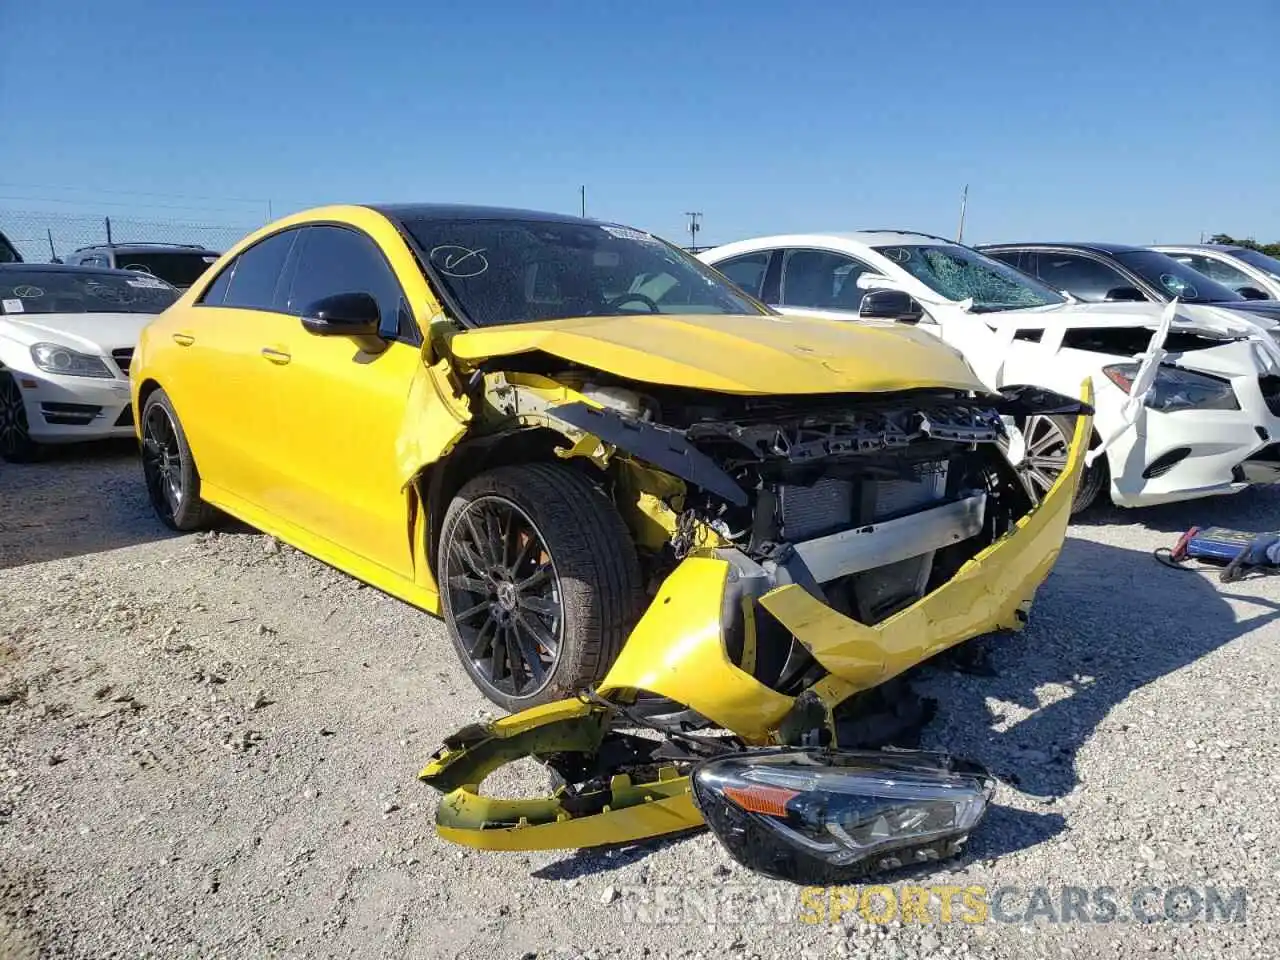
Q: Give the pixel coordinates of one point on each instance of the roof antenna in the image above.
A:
(964, 202)
(53, 254)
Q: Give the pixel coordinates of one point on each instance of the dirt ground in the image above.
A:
(209, 744)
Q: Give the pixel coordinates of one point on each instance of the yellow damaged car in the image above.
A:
(585, 450)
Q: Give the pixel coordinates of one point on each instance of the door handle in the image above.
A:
(183, 339)
(276, 356)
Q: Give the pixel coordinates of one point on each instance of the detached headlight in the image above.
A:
(1176, 389)
(55, 358)
(821, 816)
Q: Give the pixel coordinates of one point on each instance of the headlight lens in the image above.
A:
(55, 358)
(1176, 389)
(815, 816)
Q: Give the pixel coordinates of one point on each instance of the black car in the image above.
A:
(1115, 272)
(179, 264)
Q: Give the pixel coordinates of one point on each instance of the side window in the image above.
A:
(252, 278)
(1080, 276)
(822, 280)
(341, 260)
(93, 261)
(1215, 269)
(1018, 259)
(747, 271)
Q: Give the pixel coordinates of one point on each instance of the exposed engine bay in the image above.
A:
(868, 502)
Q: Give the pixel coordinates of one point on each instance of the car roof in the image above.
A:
(870, 238)
(1063, 245)
(465, 211)
(1223, 247)
(67, 268)
(142, 246)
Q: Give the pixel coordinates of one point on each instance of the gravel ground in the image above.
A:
(209, 745)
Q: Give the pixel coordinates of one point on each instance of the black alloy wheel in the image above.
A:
(162, 462)
(16, 444)
(504, 597)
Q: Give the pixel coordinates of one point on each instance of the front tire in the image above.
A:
(169, 470)
(1048, 440)
(16, 445)
(539, 582)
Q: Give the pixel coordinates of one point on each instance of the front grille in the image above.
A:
(69, 414)
(1270, 386)
(123, 357)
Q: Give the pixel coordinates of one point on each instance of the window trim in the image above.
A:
(1114, 265)
(295, 256)
(784, 255)
(235, 264)
(764, 274)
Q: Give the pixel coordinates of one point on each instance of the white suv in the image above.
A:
(1188, 398)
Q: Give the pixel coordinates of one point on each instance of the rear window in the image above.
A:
(81, 291)
(182, 269)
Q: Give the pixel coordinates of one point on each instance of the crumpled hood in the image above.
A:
(1190, 318)
(742, 354)
(91, 332)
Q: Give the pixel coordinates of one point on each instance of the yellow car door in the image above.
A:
(339, 404)
(222, 368)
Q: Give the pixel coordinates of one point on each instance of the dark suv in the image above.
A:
(179, 264)
(1112, 271)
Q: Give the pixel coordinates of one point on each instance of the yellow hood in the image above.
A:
(742, 354)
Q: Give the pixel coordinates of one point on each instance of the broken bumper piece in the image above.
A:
(618, 791)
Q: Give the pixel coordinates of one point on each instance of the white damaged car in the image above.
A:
(67, 335)
(1187, 396)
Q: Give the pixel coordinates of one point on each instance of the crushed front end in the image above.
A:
(801, 551)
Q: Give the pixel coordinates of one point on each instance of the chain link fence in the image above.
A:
(40, 237)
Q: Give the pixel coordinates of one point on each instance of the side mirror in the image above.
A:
(1125, 294)
(827, 816)
(343, 315)
(890, 305)
(1252, 293)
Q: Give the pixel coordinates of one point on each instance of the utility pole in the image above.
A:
(694, 227)
(583, 191)
(964, 202)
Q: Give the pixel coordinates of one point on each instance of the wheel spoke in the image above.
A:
(536, 579)
(470, 584)
(529, 654)
(483, 640)
(498, 663)
(537, 631)
(481, 607)
(542, 606)
(479, 541)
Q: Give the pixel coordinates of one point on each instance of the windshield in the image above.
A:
(958, 273)
(1175, 279)
(519, 271)
(180, 269)
(1268, 265)
(81, 291)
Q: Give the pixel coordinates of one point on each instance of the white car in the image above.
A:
(66, 337)
(1187, 397)
(1246, 271)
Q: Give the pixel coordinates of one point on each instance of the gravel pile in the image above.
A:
(208, 747)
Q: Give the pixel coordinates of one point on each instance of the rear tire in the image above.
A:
(16, 445)
(1048, 440)
(539, 582)
(169, 470)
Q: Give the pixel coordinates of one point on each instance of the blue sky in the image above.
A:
(1135, 120)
